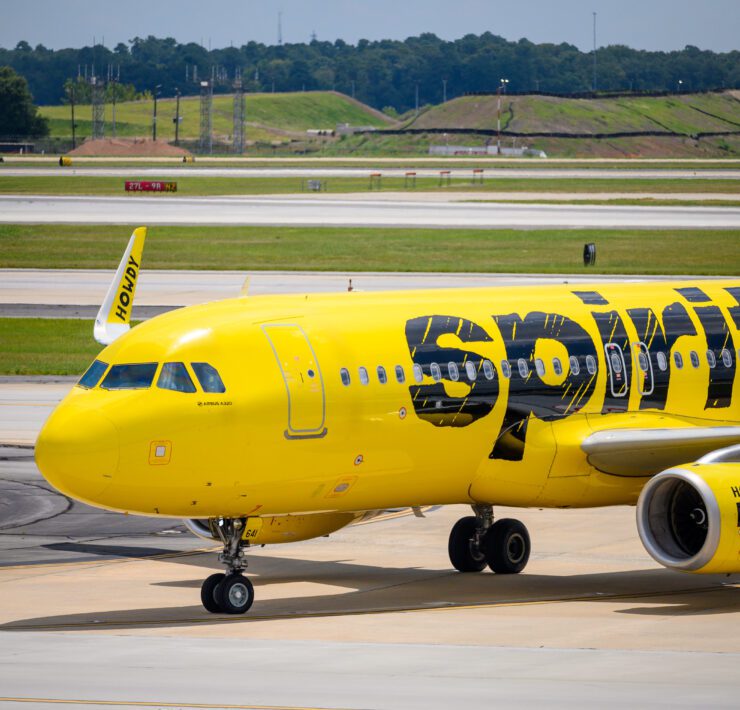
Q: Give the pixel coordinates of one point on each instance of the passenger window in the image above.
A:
(711, 359)
(557, 366)
(470, 371)
(591, 364)
(726, 358)
(418, 373)
(575, 366)
(662, 361)
(175, 377)
(523, 367)
(488, 371)
(453, 372)
(642, 361)
(208, 377)
(400, 374)
(130, 377)
(694, 357)
(539, 366)
(436, 372)
(382, 377)
(364, 378)
(616, 362)
(678, 359)
(93, 374)
(505, 369)
(344, 374)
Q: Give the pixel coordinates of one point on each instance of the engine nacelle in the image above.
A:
(277, 529)
(689, 517)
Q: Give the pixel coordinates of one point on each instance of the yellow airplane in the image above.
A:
(265, 420)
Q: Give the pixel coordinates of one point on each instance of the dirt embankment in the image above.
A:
(128, 147)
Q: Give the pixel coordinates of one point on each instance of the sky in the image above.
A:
(642, 24)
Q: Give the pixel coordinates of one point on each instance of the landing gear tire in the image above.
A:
(465, 553)
(235, 594)
(208, 592)
(507, 546)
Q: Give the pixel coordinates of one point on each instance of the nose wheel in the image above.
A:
(476, 541)
(230, 592)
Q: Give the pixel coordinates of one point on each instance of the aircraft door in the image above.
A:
(304, 383)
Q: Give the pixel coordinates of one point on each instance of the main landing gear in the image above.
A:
(230, 593)
(476, 541)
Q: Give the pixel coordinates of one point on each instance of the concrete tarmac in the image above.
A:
(100, 609)
(291, 211)
(490, 172)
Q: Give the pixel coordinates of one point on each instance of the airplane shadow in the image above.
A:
(376, 590)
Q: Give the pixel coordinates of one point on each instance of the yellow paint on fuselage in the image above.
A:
(233, 454)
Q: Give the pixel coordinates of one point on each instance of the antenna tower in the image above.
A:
(238, 115)
(206, 117)
(280, 27)
(97, 92)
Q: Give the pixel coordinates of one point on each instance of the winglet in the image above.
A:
(114, 316)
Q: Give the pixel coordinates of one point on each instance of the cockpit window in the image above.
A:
(130, 377)
(93, 374)
(208, 377)
(175, 377)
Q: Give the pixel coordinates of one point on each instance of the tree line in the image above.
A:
(390, 74)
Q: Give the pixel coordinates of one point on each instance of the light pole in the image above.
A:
(593, 85)
(678, 86)
(444, 91)
(177, 116)
(501, 87)
(154, 115)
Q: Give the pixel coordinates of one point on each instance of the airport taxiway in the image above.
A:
(291, 211)
(490, 172)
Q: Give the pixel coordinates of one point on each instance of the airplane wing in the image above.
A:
(644, 452)
(114, 316)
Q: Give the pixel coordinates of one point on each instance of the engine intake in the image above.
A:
(688, 518)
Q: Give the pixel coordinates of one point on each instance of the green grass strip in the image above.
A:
(620, 251)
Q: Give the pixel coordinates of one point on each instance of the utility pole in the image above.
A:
(74, 125)
(417, 98)
(501, 87)
(154, 115)
(177, 116)
(593, 86)
(444, 91)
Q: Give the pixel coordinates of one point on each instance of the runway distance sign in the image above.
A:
(150, 186)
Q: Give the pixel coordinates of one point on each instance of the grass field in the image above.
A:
(70, 184)
(38, 346)
(363, 249)
(294, 112)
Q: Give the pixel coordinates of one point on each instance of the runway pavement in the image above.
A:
(87, 287)
(290, 211)
(490, 172)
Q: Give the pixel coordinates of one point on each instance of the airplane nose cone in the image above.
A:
(77, 451)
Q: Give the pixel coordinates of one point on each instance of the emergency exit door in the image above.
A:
(304, 384)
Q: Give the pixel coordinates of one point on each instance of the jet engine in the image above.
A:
(688, 517)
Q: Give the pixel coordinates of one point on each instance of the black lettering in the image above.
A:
(612, 330)
(530, 395)
(735, 491)
(660, 335)
(131, 271)
(121, 313)
(124, 298)
(133, 261)
(128, 285)
(721, 377)
(431, 402)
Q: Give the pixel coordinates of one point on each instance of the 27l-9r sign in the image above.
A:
(150, 186)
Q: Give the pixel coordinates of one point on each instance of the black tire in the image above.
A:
(208, 592)
(507, 546)
(235, 594)
(464, 555)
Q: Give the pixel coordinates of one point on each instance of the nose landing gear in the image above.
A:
(476, 541)
(230, 593)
